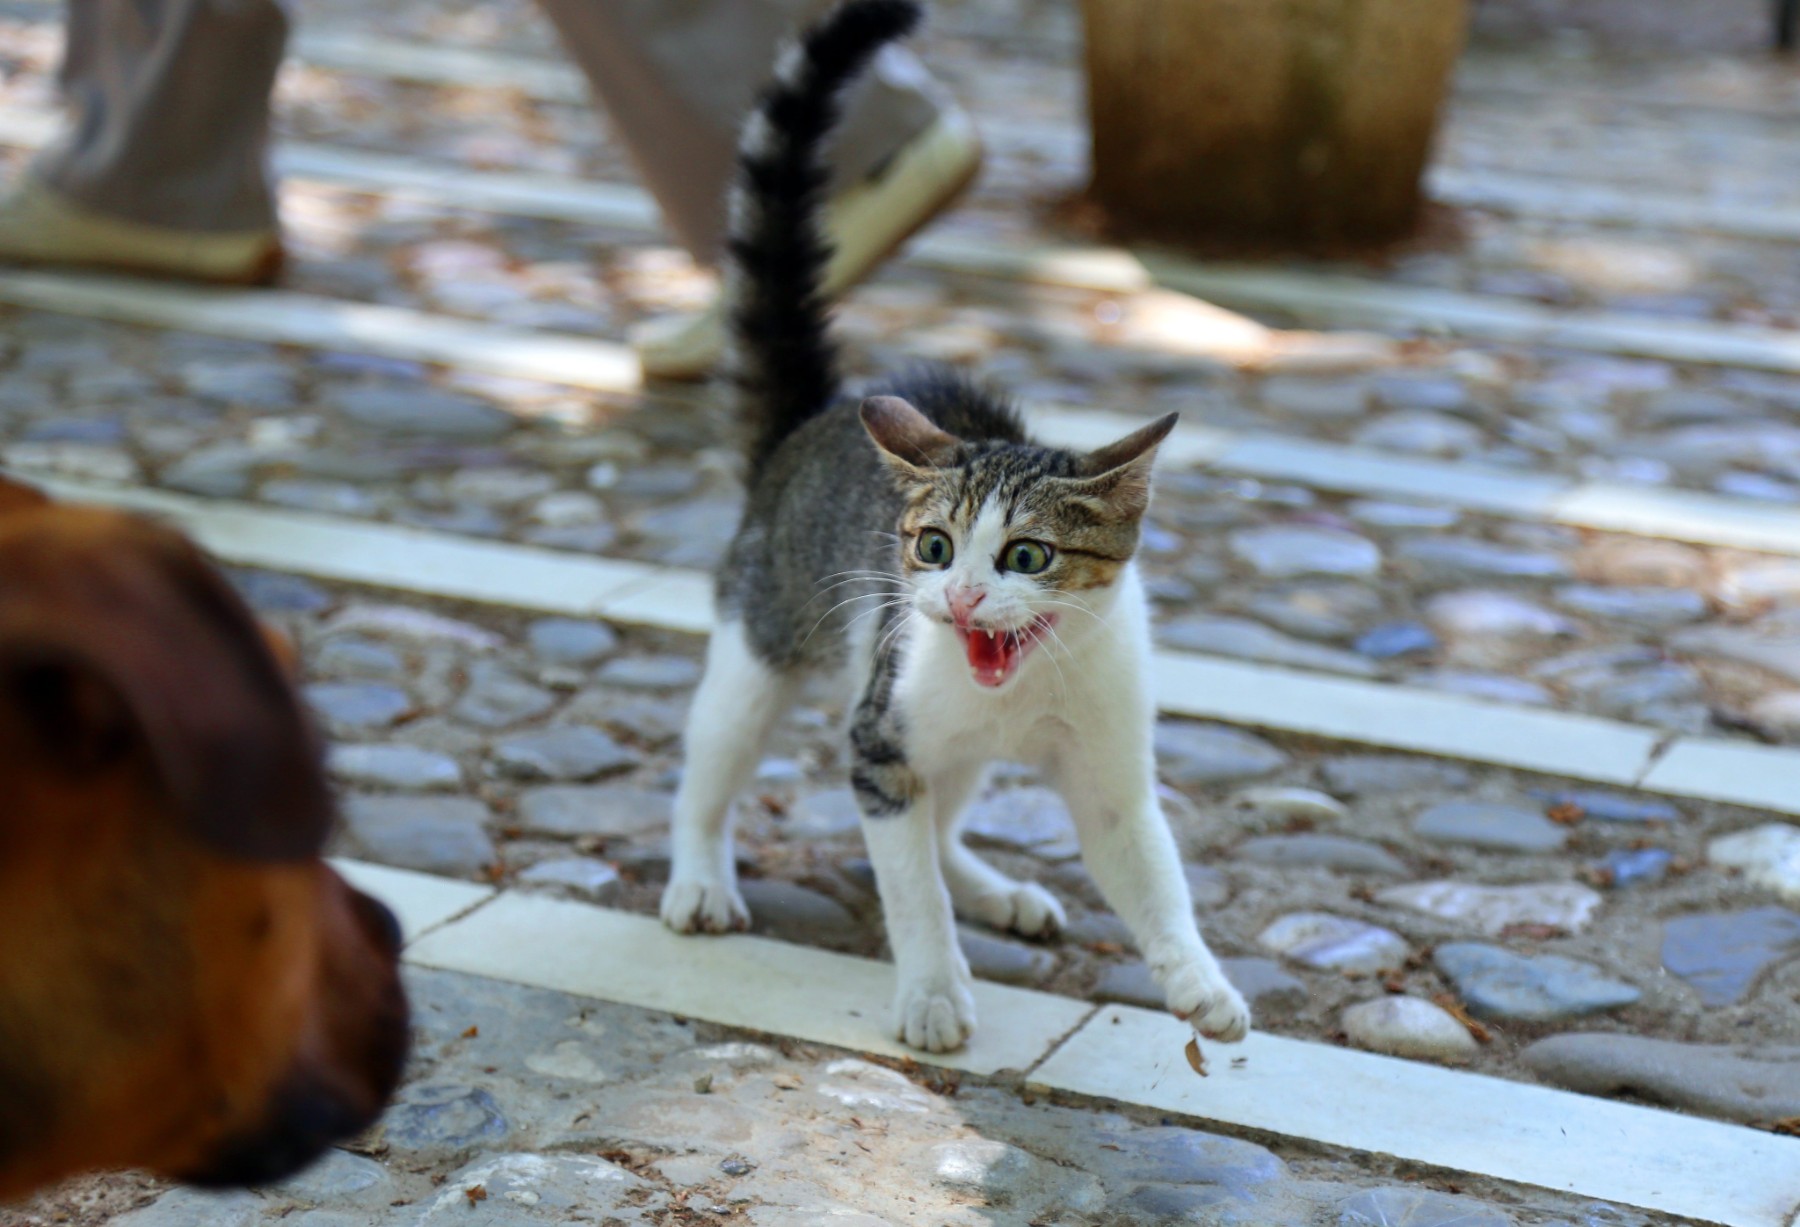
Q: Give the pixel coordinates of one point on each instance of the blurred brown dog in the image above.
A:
(184, 985)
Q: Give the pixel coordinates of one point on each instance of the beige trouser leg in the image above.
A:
(170, 102)
(678, 77)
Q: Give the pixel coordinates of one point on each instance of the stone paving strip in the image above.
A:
(327, 323)
(1414, 1112)
(1190, 684)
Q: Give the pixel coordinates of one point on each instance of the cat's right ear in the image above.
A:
(909, 441)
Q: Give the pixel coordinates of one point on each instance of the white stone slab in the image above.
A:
(1701, 1169)
(672, 599)
(1680, 515)
(736, 981)
(1353, 470)
(429, 64)
(1767, 777)
(1598, 204)
(384, 555)
(1352, 301)
(324, 323)
(420, 901)
(1401, 718)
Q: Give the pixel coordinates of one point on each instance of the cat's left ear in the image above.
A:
(1120, 471)
(909, 441)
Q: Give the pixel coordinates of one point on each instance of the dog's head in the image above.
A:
(185, 985)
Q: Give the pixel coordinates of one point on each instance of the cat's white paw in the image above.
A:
(700, 905)
(1208, 1001)
(1027, 909)
(935, 1014)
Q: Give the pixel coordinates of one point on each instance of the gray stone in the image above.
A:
(1768, 857)
(1404, 1207)
(1365, 774)
(1282, 550)
(407, 768)
(1335, 943)
(196, 1208)
(497, 697)
(1207, 886)
(1199, 754)
(358, 659)
(1497, 983)
(1318, 610)
(1314, 397)
(1263, 982)
(412, 409)
(1022, 818)
(1004, 960)
(1648, 608)
(1485, 824)
(1383, 514)
(443, 1118)
(543, 1190)
(1721, 955)
(411, 625)
(1226, 636)
(331, 497)
(1172, 1155)
(1278, 804)
(358, 705)
(1449, 559)
(794, 913)
(1613, 806)
(1479, 614)
(823, 814)
(1417, 389)
(1098, 928)
(1325, 851)
(566, 641)
(1420, 432)
(608, 811)
(1408, 1027)
(1565, 906)
(1004, 1175)
(1737, 1081)
(430, 834)
(579, 875)
(650, 672)
(1779, 654)
(337, 1175)
(1624, 867)
(1394, 639)
(273, 592)
(498, 487)
(561, 752)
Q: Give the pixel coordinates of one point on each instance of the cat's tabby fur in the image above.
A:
(974, 590)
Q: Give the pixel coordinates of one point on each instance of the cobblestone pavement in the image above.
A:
(1606, 941)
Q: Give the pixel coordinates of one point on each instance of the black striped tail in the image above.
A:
(786, 361)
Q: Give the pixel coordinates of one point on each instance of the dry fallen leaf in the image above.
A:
(471, 1033)
(1789, 1125)
(1454, 1009)
(1567, 814)
(475, 1193)
(1196, 1062)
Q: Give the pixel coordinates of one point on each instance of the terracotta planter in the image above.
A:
(1300, 123)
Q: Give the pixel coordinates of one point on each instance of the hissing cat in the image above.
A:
(974, 590)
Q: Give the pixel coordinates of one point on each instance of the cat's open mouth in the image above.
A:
(994, 656)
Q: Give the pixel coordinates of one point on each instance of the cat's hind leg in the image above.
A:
(740, 698)
(979, 891)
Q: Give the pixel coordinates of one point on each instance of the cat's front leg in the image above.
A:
(934, 1005)
(1126, 843)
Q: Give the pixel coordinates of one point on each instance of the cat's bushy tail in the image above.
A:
(786, 362)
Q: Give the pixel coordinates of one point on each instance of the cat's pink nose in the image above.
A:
(963, 602)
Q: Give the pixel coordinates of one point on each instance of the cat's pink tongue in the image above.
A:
(990, 656)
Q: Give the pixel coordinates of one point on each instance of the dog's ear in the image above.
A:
(117, 635)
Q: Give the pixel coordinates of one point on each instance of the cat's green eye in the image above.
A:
(1026, 557)
(934, 547)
